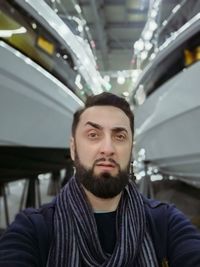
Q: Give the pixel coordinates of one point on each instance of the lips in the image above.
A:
(105, 165)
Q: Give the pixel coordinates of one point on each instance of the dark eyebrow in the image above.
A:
(119, 129)
(99, 127)
(95, 125)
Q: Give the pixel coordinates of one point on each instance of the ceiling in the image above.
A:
(111, 28)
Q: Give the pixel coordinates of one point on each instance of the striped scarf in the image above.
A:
(76, 242)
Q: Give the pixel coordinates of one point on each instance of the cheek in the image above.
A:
(85, 153)
(125, 156)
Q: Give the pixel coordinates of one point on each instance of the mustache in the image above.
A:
(104, 159)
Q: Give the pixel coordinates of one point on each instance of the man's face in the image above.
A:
(101, 150)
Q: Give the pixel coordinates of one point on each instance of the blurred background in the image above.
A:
(55, 53)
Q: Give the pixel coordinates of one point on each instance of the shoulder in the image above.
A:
(31, 217)
(29, 236)
(157, 208)
(167, 216)
(39, 221)
(34, 220)
(153, 204)
(174, 237)
(159, 211)
(157, 215)
(44, 213)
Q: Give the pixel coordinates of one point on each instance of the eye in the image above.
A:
(93, 135)
(120, 137)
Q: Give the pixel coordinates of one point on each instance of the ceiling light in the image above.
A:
(156, 3)
(28, 60)
(148, 35)
(164, 22)
(80, 28)
(126, 94)
(107, 78)
(144, 55)
(34, 25)
(139, 45)
(140, 97)
(79, 22)
(78, 81)
(148, 46)
(108, 86)
(152, 56)
(176, 8)
(92, 43)
(78, 9)
(153, 13)
(153, 25)
(120, 79)
(9, 33)
(83, 21)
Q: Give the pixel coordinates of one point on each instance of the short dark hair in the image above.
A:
(104, 99)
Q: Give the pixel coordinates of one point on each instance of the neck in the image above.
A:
(102, 204)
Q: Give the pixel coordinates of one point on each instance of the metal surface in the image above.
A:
(113, 26)
(80, 50)
(35, 108)
(167, 127)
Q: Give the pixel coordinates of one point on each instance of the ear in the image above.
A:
(72, 148)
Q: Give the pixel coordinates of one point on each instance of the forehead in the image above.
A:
(105, 116)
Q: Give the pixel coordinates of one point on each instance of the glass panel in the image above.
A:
(22, 32)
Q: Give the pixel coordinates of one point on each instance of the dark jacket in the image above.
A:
(27, 241)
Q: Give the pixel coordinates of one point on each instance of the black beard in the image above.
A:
(103, 185)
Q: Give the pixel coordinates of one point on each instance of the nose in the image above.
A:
(107, 147)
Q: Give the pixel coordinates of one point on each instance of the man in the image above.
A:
(99, 218)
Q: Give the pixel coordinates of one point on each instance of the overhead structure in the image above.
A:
(100, 24)
(44, 68)
(167, 107)
(81, 53)
(111, 28)
(165, 18)
(122, 23)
